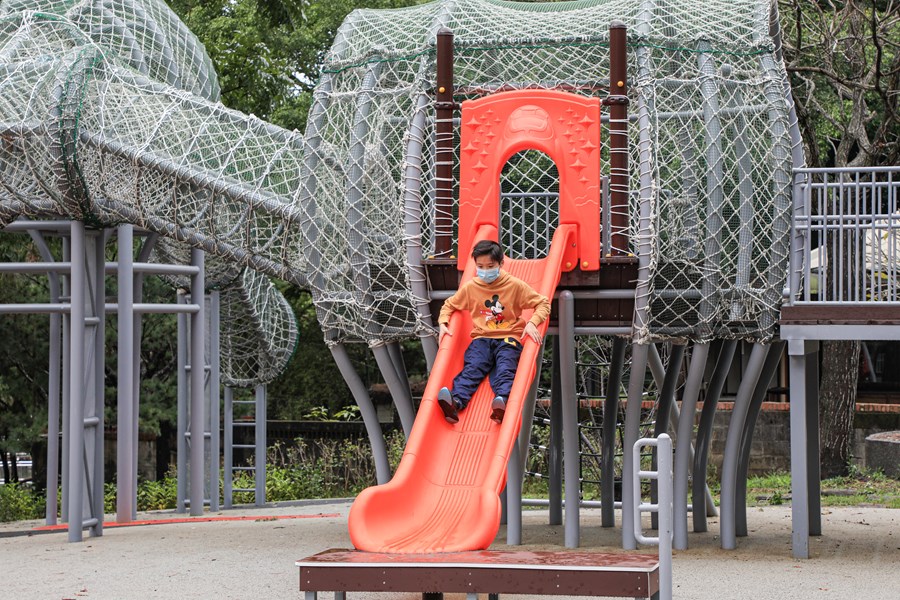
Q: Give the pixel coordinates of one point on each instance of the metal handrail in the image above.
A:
(845, 236)
(663, 507)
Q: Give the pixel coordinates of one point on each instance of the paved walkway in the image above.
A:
(857, 557)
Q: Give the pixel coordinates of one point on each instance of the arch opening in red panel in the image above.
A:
(529, 204)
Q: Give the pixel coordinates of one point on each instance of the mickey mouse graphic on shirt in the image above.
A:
(493, 317)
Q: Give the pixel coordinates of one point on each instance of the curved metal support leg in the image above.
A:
(399, 389)
(759, 394)
(396, 353)
(610, 416)
(639, 354)
(367, 410)
(663, 412)
(704, 432)
(683, 437)
(733, 445)
(430, 348)
(524, 440)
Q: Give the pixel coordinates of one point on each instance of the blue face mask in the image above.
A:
(488, 275)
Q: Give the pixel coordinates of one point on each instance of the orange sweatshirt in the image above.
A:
(496, 307)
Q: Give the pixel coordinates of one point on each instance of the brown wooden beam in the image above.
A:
(575, 573)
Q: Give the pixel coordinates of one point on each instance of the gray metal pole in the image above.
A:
(797, 357)
(53, 399)
(747, 233)
(571, 450)
(412, 211)
(639, 354)
(198, 397)
(53, 384)
(715, 194)
(727, 508)
(813, 463)
(524, 440)
(214, 399)
(366, 410)
(96, 404)
(181, 459)
(770, 367)
(228, 453)
(126, 445)
(75, 442)
(142, 257)
(704, 433)
(402, 399)
(657, 368)
(610, 417)
(396, 354)
(66, 376)
(260, 450)
(665, 404)
(555, 458)
(683, 436)
(514, 497)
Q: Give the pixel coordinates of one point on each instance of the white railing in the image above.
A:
(663, 506)
(845, 230)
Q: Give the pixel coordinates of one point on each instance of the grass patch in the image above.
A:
(860, 488)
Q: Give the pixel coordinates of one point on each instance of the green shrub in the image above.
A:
(19, 503)
(158, 495)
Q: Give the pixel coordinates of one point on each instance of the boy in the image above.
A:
(496, 300)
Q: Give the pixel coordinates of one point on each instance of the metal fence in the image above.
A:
(845, 246)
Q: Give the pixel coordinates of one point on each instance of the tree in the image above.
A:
(23, 362)
(843, 58)
(269, 53)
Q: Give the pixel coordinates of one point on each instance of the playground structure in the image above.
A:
(109, 119)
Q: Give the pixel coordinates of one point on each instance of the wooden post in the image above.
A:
(618, 140)
(443, 144)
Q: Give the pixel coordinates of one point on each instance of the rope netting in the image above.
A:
(710, 154)
(109, 114)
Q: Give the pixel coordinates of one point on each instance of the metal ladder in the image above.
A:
(209, 365)
(258, 423)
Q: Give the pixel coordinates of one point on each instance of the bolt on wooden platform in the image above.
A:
(574, 573)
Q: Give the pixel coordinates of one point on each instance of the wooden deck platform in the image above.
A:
(575, 573)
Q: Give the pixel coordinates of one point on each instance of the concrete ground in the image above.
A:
(857, 557)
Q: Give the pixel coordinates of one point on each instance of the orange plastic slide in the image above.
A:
(444, 496)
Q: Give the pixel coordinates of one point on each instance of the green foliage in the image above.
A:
(269, 53)
(18, 503)
(861, 487)
(158, 495)
(844, 65)
(23, 353)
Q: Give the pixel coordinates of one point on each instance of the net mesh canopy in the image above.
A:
(710, 155)
(109, 114)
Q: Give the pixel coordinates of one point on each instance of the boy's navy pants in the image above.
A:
(496, 358)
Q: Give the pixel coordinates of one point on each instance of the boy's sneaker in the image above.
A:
(448, 405)
(498, 409)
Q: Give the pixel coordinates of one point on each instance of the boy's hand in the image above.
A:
(532, 331)
(444, 331)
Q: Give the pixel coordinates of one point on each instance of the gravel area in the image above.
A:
(857, 557)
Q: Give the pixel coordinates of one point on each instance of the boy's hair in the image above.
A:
(488, 248)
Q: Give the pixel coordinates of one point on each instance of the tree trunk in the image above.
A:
(840, 370)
